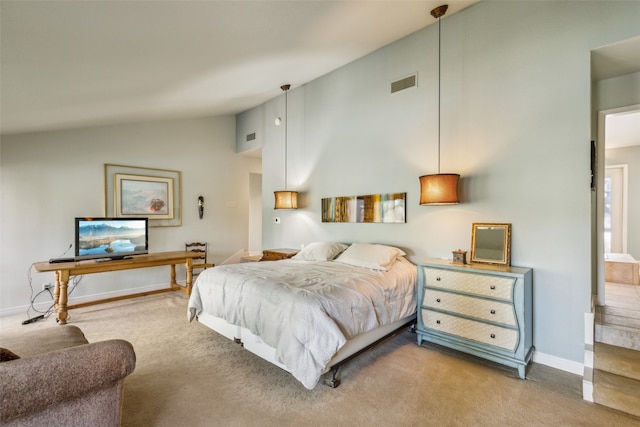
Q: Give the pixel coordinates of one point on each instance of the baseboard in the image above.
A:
(83, 299)
(576, 368)
(559, 363)
(589, 327)
(587, 385)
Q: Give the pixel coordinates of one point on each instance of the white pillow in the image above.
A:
(320, 251)
(377, 257)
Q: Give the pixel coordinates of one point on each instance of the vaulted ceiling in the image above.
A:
(80, 63)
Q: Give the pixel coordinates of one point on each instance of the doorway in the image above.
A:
(620, 152)
(255, 213)
(615, 209)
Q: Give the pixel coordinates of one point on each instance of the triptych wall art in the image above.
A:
(384, 208)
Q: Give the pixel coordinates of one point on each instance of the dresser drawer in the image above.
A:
(471, 330)
(469, 283)
(494, 311)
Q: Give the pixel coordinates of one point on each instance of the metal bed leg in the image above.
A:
(334, 381)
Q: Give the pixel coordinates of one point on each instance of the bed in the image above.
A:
(310, 313)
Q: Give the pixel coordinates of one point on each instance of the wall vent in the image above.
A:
(404, 83)
(251, 137)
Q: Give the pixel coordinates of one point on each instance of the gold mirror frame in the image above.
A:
(491, 243)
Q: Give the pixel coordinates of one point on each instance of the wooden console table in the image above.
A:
(64, 270)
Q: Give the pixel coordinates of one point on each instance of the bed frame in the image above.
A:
(351, 349)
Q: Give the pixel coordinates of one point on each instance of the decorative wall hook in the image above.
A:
(200, 206)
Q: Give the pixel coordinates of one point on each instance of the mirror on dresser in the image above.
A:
(491, 243)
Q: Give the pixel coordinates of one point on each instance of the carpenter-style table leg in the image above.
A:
(60, 296)
(56, 290)
(188, 284)
(173, 284)
(189, 268)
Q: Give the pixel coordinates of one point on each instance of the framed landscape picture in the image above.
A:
(132, 191)
(141, 195)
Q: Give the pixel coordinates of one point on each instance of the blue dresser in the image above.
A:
(480, 309)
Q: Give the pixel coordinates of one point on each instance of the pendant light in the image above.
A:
(440, 188)
(286, 199)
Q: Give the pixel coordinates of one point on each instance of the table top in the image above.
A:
(136, 261)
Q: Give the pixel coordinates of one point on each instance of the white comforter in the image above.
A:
(305, 310)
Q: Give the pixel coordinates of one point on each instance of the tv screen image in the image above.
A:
(113, 238)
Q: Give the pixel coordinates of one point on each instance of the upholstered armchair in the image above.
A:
(59, 378)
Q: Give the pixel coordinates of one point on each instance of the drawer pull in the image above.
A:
(438, 322)
(492, 287)
(437, 299)
(493, 335)
(493, 312)
(438, 278)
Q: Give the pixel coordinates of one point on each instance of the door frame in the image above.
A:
(600, 169)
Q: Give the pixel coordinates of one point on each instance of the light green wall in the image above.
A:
(516, 124)
(49, 178)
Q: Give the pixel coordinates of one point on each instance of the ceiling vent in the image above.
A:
(251, 137)
(404, 83)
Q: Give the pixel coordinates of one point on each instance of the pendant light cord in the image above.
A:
(286, 127)
(439, 84)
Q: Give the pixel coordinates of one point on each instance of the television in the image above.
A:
(111, 238)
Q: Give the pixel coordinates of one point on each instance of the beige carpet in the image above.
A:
(187, 375)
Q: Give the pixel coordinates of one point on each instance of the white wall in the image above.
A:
(516, 124)
(617, 92)
(255, 213)
(50, 178)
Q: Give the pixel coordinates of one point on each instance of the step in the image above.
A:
(603, 311)
(617, 360)
(617, 335)
(620, 320)
(633, 312)
(616, 392)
